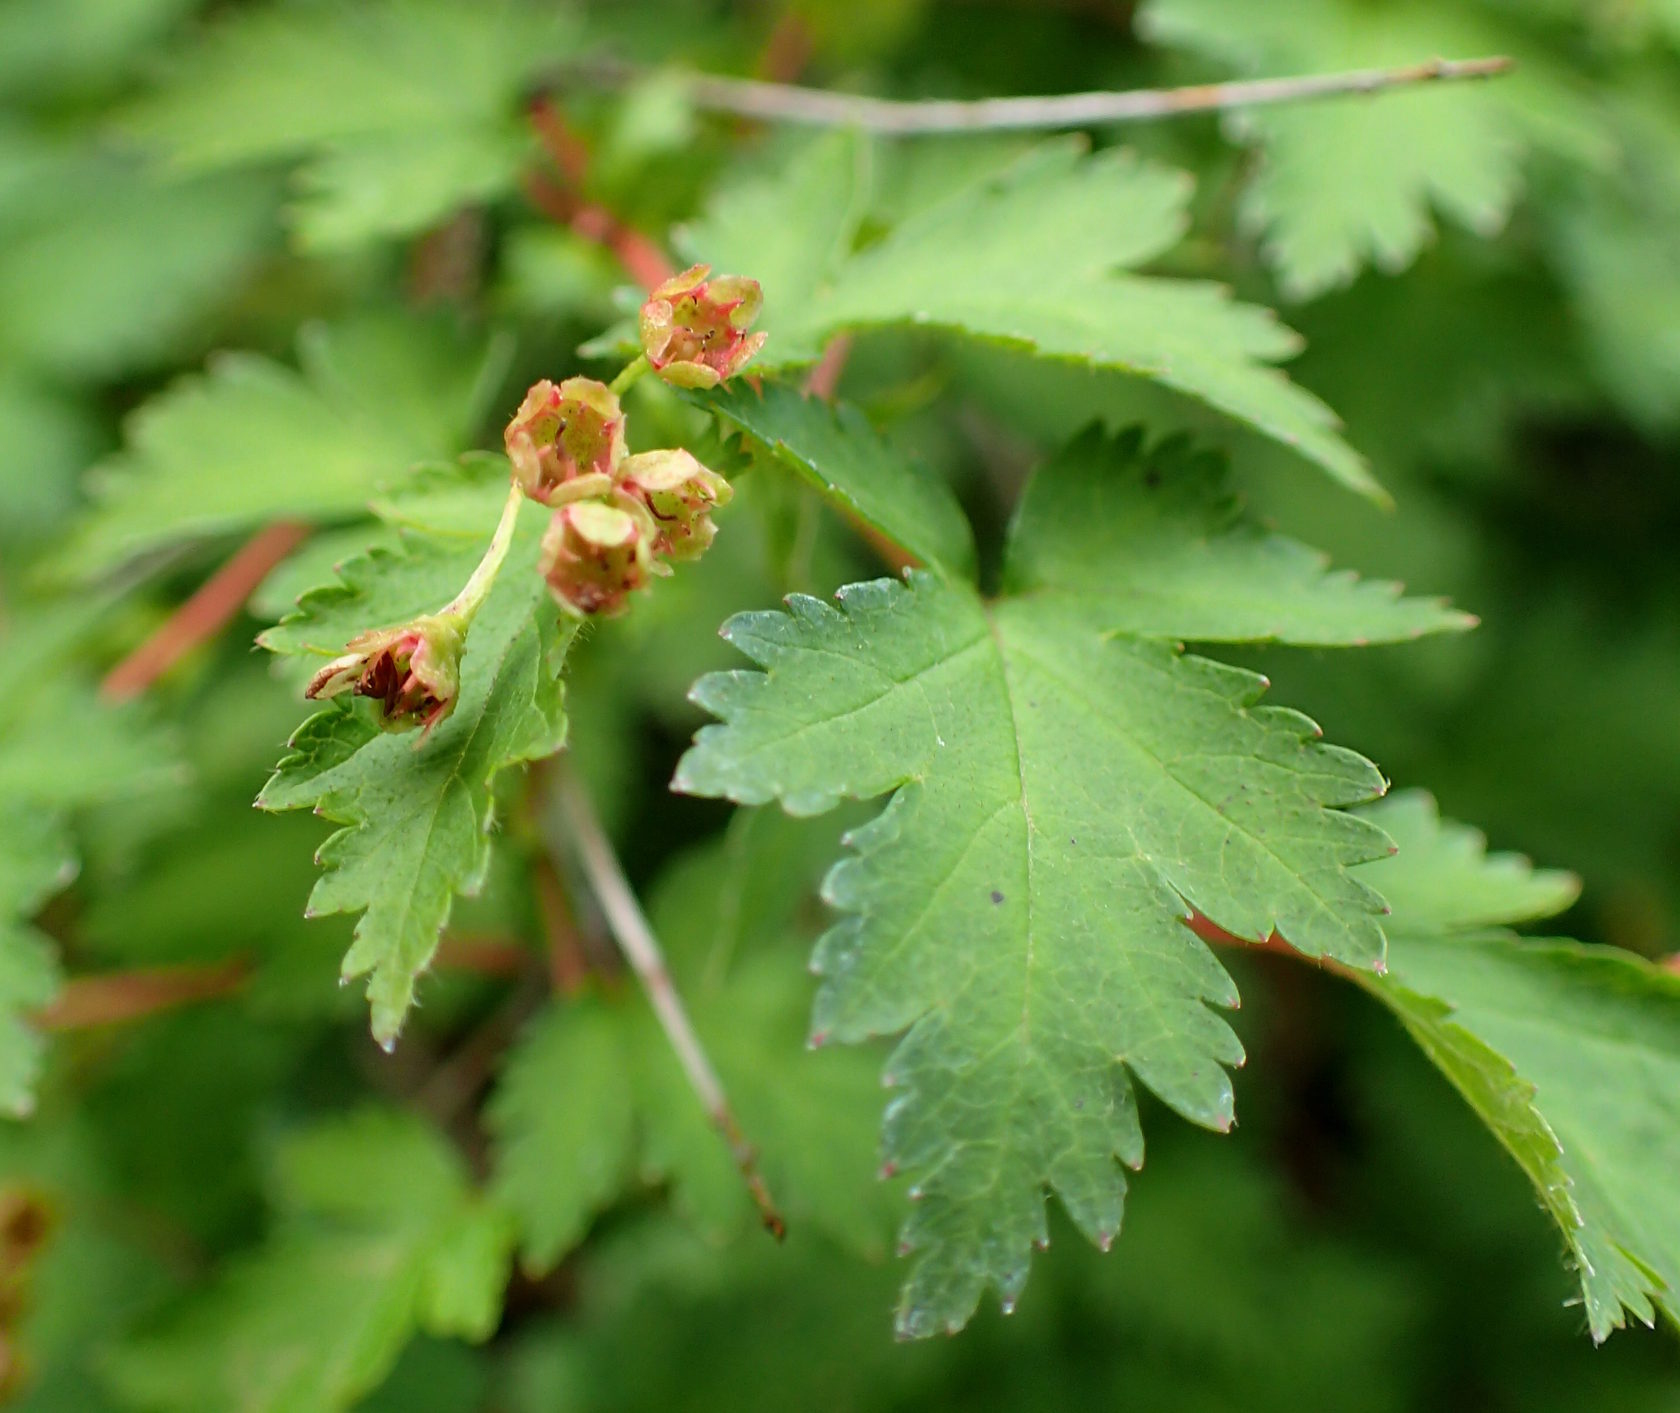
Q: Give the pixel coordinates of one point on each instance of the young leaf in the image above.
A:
(419, 813)
(1061, 797)
(1570, 1054)
(380, 1237)
(1039, 258)
(854, 468)
(251, 441)
(1153, 541)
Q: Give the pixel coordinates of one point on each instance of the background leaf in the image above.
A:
(1570, 1054)
(1151, 541)
(1038, 258)
(252, 441)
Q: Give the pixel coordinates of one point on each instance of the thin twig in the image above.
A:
(815, 107)
(641, 949)
(206, 613)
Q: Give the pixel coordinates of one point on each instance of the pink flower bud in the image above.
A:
(694, 329)
(594, 556)
(562, 433)
(679, 493)
(413, 671)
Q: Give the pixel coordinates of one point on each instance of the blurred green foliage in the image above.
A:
(258, 259)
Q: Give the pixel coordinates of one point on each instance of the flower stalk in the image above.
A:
(467, 603)
(630, 376)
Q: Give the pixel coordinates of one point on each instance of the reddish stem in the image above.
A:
(487, 956)
(642, 258)
(106, 998)
(116, 996)
(568, 967)
(217, 602)
(564, 147)
(825, 377)
(787, 51)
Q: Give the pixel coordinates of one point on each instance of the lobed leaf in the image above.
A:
(252, 441)
(1061, 799)
(418, 813)
(1039, 258)
(403, 110)
(1153, 541)
(1357, 184)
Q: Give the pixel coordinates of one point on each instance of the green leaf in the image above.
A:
(1442, 879)
(48, 438)
(61, 750)
(1062, 798)
(1609, 244)
(1356, 182)
(1039, 258)
(104, 268)
(46, 45)
(419, 812)
(403, 109)
(1154, 542)
(380, 1237)
(564, 1120)
(1570, 1054)
(854, 468)
(251, 441)
(593, 1098)
(34, 864)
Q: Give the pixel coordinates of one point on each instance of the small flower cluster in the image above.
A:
(618, 519)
